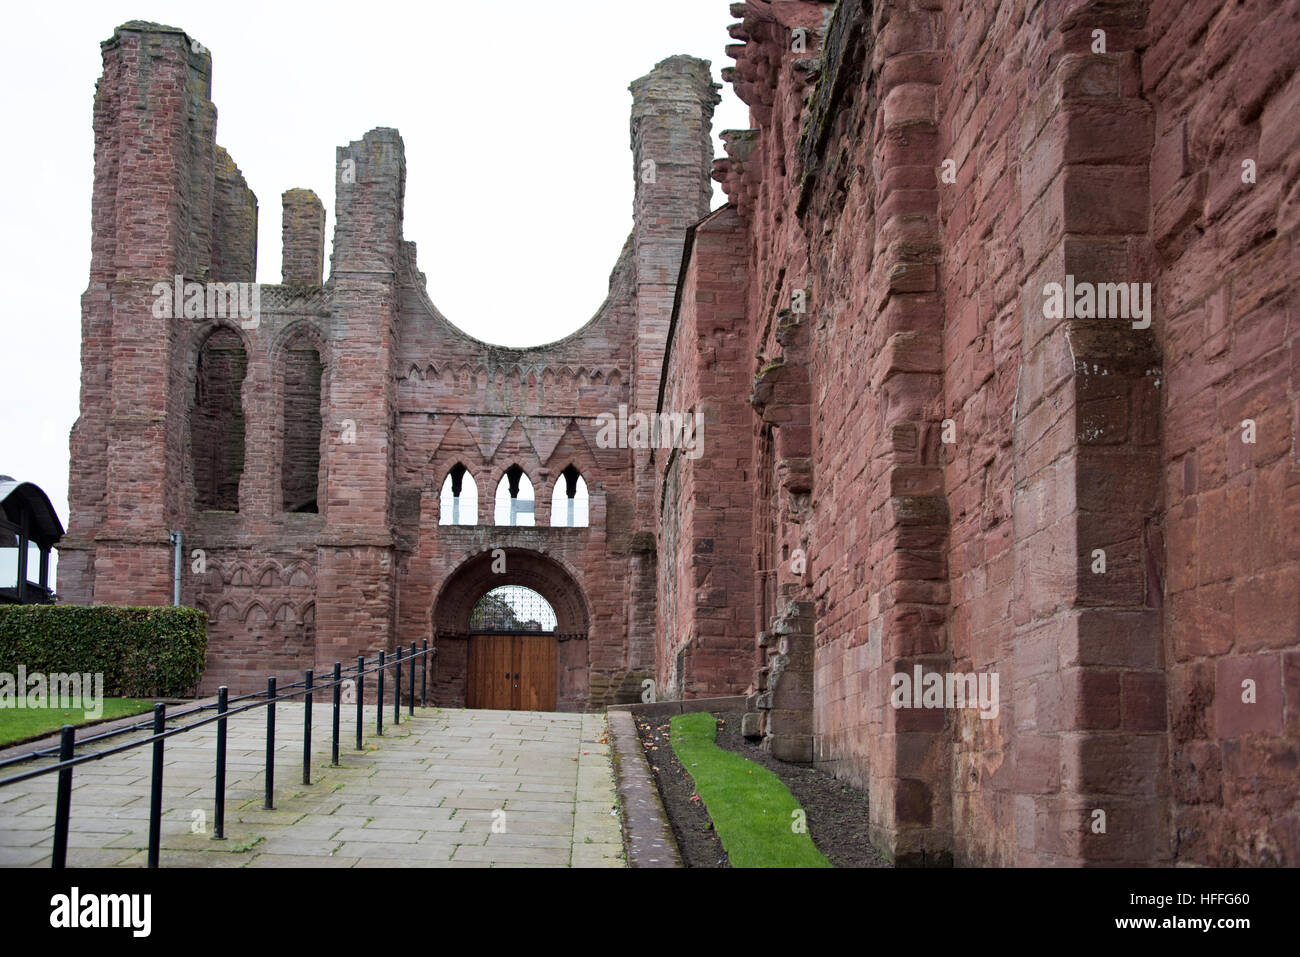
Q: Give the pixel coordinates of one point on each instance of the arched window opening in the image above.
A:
(570, 505)
(300, 468)
(512, 609)
(514, 504)
(217, 423)
(458, 504)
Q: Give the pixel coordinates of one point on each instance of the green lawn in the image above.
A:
(19, 724)
(752, 810)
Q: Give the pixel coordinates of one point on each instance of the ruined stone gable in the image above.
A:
(302, 452)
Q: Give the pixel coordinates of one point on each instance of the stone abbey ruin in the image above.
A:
(995, 354)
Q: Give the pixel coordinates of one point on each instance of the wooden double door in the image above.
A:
(511, 672)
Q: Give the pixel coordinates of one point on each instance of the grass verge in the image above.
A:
(22, 724)
(756, 815)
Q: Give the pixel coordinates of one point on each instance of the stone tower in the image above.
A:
(167, 202)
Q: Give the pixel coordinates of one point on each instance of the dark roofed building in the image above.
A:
(29, 528)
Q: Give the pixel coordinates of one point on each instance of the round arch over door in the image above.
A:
(531, 656)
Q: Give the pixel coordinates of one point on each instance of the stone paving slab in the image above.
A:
(445, 788)
(649, 838)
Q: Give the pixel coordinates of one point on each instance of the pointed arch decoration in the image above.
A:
(570, 502)
(515, 504)
(458, 502)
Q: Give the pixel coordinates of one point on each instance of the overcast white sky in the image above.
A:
(514, 114)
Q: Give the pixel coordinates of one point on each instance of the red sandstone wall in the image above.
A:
(261, 614)
(706, 553)
(1118, 689)
(1222, 82)
(981, 95)
(880, 576)
(852, 387)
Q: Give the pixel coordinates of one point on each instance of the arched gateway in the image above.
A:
(511, 628)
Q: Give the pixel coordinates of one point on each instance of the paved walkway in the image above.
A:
(446, 788)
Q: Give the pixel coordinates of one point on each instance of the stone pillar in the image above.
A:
(1089, 685)
(152, 220)
(303, 233)
(672, 147)
(356, 578)
(911, 812)
(672, 115)
(234, 230)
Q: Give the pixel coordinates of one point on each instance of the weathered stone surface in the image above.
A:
(1064, 501)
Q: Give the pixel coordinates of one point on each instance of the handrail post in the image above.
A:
(155, 788)
(397, 686)
(63, 805)
(306, 731)
(379, 699)
(338, 702)
(219, 825)
(361, 693)
(410, 704)
(424, 674)
(269, 802)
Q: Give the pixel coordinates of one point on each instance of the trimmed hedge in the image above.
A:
(142, 652)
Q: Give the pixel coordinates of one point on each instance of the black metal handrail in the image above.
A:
(143, 725)
(307, 688)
